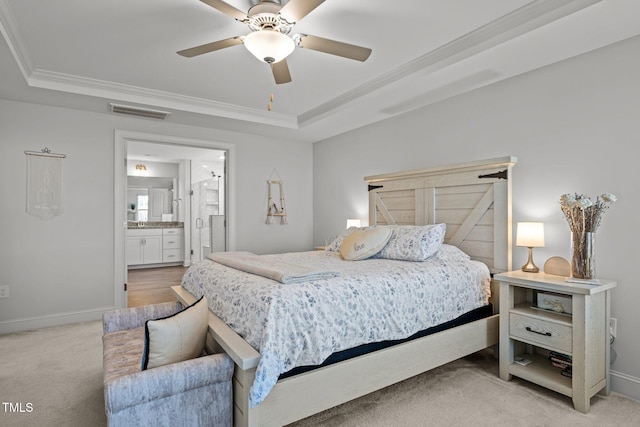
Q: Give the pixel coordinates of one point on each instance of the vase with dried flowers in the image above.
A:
(583, 216)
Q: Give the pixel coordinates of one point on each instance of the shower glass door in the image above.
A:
(207, 209)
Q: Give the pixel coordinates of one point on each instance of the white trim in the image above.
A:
(119, 218)
(185, 176)
(528, 18)
(140, 95)
(119, 221)
(31, 323)
(9, 29)
(625, 384)
(521, 21)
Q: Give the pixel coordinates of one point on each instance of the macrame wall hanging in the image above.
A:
(272, 208)
(44, 183)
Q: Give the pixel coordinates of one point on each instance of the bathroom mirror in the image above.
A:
(150, 199)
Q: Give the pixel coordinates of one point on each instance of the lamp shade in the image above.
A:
(530, 234)
(353, 223)
(269, 46)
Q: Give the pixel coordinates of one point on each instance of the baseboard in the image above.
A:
(625, 384)
(28, 324)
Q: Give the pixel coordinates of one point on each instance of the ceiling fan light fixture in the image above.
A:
(269, 46)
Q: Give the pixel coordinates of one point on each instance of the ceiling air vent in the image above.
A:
(138, 111)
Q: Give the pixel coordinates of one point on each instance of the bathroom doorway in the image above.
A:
(183, 163)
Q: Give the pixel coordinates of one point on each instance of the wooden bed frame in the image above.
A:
(474, 200)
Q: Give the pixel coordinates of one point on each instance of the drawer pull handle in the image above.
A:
(548, 334)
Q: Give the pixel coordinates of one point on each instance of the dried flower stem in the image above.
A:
(584, 216)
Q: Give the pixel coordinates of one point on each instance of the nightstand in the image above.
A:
(535, 334)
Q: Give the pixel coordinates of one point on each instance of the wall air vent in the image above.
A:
(138, 111)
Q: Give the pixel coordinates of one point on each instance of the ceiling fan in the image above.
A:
(269, 40)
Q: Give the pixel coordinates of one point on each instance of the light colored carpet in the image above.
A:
(59, 372)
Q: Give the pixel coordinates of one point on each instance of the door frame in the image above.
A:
(121, 137)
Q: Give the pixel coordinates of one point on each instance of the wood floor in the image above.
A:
(153, 285)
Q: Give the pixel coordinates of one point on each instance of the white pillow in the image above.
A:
(362, 244)
(413, 242)
(176, 338)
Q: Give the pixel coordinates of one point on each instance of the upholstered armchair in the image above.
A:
(195, 392)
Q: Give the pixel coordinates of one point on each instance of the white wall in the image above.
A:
(574, 127)
(62, 270)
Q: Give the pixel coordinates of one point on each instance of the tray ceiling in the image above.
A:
(86, 54)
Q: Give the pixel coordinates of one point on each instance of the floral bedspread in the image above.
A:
(372, 300)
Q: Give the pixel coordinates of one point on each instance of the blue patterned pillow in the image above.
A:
(413, 242)
(452, 252)
(334, 246)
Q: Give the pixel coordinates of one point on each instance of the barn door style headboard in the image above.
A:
(473, 199)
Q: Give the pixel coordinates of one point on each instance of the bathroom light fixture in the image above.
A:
(141, 167)
(531, 235)
(269, 46)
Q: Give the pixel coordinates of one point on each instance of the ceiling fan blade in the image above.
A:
(333, 47)
(295, 10)
(210, 47)
(227, 9)
(281, 72)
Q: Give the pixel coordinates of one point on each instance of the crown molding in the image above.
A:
(9, 29)
(453, 88)
(46, 79)
(521, 21)
(121, 92)
(527, 18)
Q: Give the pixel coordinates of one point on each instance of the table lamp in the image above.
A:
(531, 235)
(353, 223)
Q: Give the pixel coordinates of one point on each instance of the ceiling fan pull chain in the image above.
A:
(271, 98)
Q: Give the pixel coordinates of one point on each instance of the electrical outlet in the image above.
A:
(613, 327)
(4, 291)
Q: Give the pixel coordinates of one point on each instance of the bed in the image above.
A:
(472, 199)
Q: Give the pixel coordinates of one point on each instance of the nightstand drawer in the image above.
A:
(541, 332)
